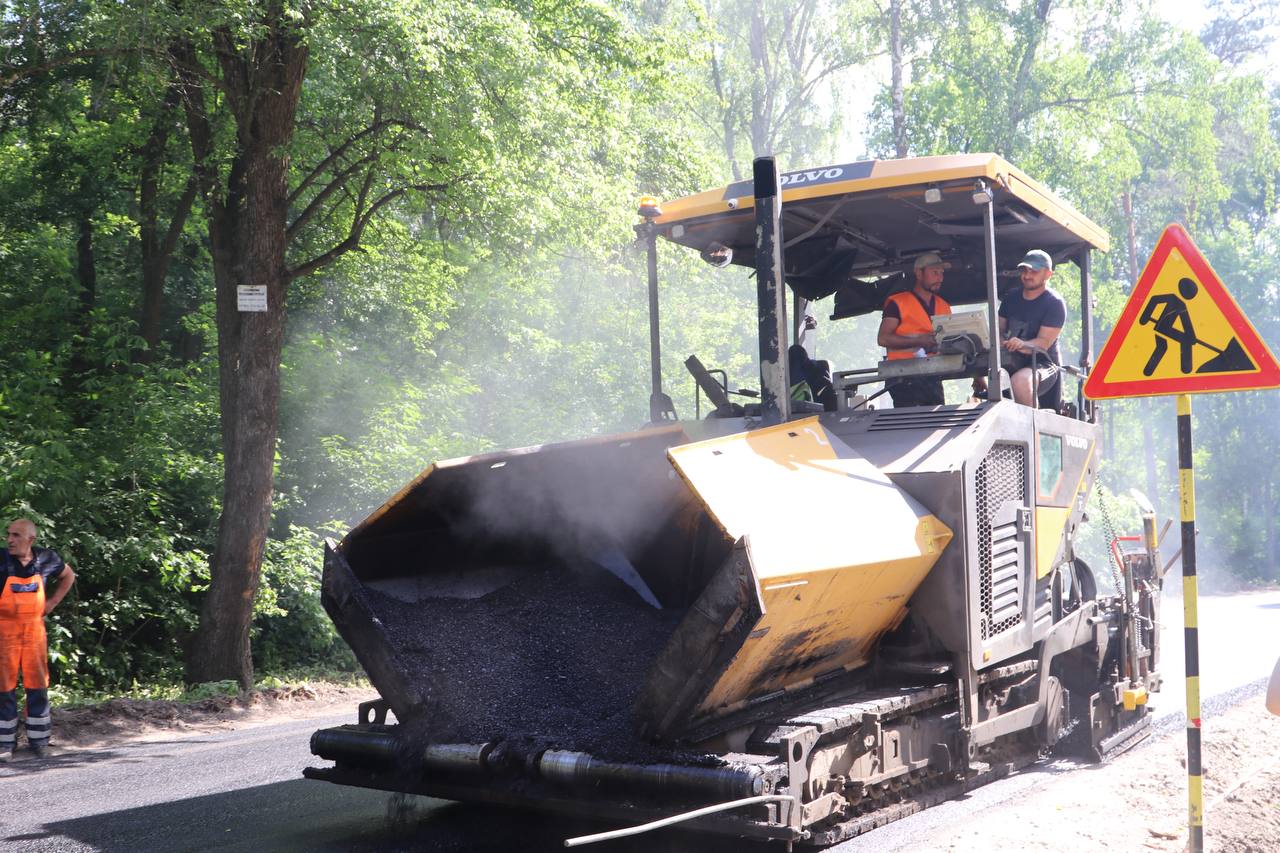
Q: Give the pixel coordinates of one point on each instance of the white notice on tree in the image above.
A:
(251, 297)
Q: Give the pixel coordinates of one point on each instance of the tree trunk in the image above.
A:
(157, 251)
(247, 231)
(1034, 34)
(896, 91)
(86, 271)
(728, 117)
(87, 278)
(1273, 541)
(1147, 414)
(761, 84)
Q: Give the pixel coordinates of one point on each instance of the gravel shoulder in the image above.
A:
(1138, 801)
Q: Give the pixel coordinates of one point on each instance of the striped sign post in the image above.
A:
(1181, 333)
(1190, 622)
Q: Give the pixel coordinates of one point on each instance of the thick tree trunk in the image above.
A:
(247, 230)
(249, 347)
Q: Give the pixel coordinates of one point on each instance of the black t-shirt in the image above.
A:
(1026, 317)
(44, 561)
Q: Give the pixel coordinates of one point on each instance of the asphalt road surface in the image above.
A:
(242, 790)
(234, 791)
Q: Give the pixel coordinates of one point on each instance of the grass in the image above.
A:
(72, 697)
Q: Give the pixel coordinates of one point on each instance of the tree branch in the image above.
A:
(358, 224)
(199, 130)
(179, 218)
(323, 166)
(339, 181)
(13, 74)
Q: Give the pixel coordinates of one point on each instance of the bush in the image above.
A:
(290, 626)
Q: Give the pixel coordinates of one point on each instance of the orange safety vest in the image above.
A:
(23, 645)
(914, 319)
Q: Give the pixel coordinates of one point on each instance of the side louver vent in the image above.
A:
(888, 419)
(1001, 478)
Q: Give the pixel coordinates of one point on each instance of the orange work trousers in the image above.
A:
(24, 647)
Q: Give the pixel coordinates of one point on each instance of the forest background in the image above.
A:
(438, 197)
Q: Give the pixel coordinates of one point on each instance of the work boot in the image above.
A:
(40, 748)
(6, 753)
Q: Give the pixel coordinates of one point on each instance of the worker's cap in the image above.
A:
(1037, 260)
(931, 259)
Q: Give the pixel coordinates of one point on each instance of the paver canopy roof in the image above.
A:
(855, 229)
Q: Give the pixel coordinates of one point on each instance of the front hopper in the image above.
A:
(525, 593)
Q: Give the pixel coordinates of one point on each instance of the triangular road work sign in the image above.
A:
(1180, 333)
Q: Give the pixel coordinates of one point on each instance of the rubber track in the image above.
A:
(930, 794)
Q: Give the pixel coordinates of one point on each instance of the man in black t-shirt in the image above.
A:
(32, 583)
(1032, 317)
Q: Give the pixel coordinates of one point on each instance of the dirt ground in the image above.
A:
(1138, 801)
(119, 720)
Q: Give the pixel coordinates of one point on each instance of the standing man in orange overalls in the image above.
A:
(26, 571)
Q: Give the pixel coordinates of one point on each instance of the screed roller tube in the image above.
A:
(579, 769)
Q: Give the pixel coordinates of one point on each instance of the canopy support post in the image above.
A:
(993, 322)
(660, 406)
(775, 394)
(1083, 405)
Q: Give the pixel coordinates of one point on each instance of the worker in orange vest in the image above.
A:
(25, 599)
(906, 330)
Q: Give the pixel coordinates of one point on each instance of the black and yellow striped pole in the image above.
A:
(1129, 367)
(1190, 621)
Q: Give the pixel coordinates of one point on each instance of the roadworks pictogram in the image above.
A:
(1181, 333)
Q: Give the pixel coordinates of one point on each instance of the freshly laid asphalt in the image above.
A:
(238, 790)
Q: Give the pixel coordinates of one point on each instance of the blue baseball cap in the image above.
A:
(1037, 260)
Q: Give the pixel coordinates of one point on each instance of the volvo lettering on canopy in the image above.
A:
(807, 178)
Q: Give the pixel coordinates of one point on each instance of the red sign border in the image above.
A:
(1097, 387)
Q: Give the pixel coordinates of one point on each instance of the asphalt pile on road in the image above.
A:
(552, 660)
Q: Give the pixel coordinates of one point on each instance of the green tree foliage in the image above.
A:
(772, 75)
(437, 142)
(457, 270)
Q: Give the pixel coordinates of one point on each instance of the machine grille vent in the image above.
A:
(1002, 477)
(887, 419)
